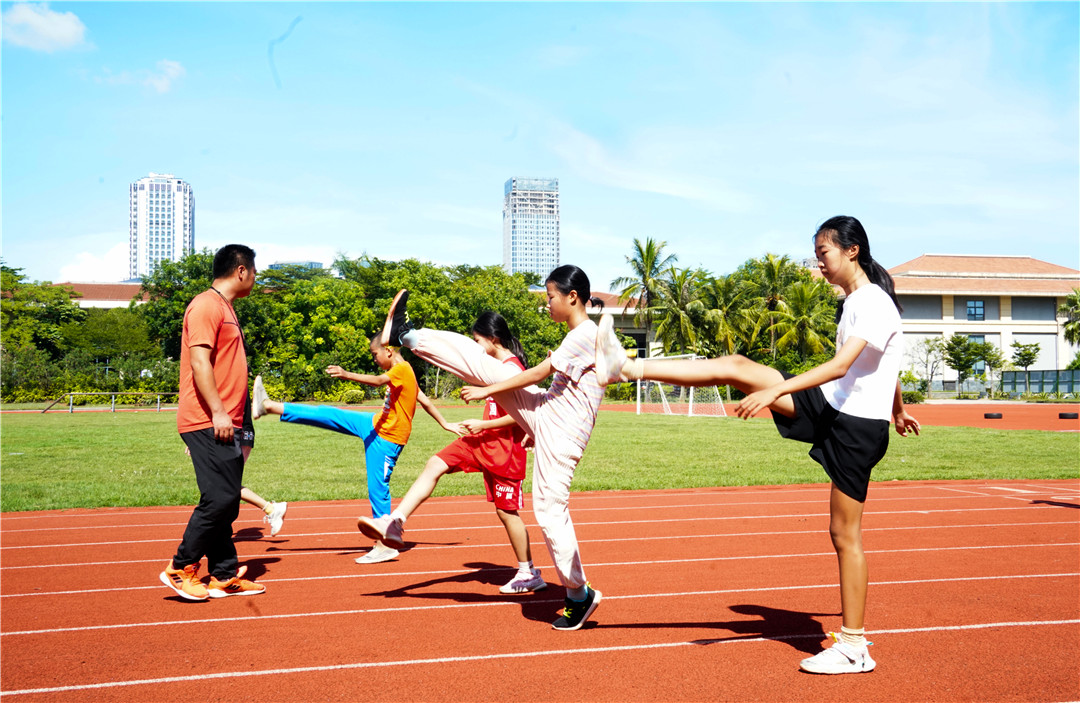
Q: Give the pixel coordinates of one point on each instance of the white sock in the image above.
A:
(397, 515)
(525, 568)
(852, 637)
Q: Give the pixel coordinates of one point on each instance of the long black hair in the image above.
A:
(492, 325)
(847, 232)
(570, 278)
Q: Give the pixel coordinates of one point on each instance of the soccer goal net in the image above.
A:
(667, 399)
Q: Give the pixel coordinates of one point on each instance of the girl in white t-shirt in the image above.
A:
(560, 419)
(842, 407)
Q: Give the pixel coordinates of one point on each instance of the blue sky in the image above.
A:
(726, 129)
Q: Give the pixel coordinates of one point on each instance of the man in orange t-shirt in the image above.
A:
(213, 394)
(384, 434)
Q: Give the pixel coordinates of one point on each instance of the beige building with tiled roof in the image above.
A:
(997, 299)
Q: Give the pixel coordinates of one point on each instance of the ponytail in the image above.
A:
(492, 325)
(847, 232)
(570, 278)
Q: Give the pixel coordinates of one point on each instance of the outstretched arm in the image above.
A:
(430, 408)
(528, 377)
(831, 370)
(477, 426)
(367, 379)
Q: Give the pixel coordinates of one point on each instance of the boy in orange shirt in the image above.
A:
(384, 434)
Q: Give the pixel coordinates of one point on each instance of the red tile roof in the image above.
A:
(994, 275)
(1023, 266)
(117, 292)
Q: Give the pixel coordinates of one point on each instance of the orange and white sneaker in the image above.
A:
(184, 581)
(236, 586)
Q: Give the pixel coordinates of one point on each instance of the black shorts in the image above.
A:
(247, 432)
(848, 447)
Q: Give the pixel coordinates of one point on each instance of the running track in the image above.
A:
(711, 594)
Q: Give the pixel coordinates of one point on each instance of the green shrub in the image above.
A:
(913, 397)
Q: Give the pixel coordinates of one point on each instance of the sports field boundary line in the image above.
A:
(514, 655)
(497, 526)
(518, 602)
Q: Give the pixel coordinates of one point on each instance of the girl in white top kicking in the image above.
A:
(559, 419)
(842, 407)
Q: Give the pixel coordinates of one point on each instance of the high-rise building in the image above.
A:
(162, 217)
(531, 225)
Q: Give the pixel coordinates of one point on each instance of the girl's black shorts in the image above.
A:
(848, 447)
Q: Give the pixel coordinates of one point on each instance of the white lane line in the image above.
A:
(512, 655)
(1009, 488)
(344, 551)
(497, 526)
(597, 565)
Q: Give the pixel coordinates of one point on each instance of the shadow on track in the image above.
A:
(485, 578)
(798, 629)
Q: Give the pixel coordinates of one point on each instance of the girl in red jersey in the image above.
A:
(493, 447)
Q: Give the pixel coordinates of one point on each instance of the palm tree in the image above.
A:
(766, 280)
(725, 317)
(1070, 309)
(805, 318)
(679, 309)
(647, 262)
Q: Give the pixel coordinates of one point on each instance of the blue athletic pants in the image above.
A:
(380, 455)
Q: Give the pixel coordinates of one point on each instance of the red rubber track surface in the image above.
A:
(709, 595)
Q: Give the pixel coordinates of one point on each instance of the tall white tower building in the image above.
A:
(162, 217)
(531, 225)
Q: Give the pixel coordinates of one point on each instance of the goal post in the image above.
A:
(654, 397)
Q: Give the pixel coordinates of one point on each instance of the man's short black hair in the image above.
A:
(230, 256)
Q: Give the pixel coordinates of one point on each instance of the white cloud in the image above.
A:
(160, 79)
(110, 267)
(39, 28)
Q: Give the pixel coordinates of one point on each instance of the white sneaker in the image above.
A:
(840, 658)
(276, 516)
(258, 399)
(378, 554)
(610, 355)
(524, 584)
(395, 535)
(373, 527)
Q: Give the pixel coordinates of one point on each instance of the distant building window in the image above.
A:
(975, 311)
(980, 366)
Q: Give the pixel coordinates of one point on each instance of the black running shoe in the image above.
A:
(397, 320)
(576, 612)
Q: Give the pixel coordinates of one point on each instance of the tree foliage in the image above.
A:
(34, 314)
(1024, 355)
(1070, 310)
(961, 355)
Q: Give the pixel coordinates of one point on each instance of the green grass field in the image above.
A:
(60, 460)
